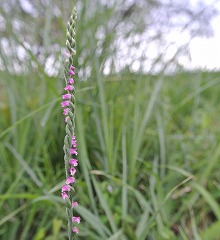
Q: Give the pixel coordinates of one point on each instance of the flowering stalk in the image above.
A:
(70, 143)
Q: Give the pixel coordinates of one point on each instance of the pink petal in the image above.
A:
(74, 204)
(75, 230)
(66, 96)
(71, 81)
(65, 111)
(73, 162)
(68, 88)
(73, 151)
(64, 195)
(76, 219)
(66, 119)
(65, 188)
(73, 142)
(71, 72)
(72, 171)
(65, 104)
(70, 180)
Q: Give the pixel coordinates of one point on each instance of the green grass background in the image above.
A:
(148, 152)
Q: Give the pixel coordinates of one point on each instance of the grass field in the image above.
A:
(148, 152)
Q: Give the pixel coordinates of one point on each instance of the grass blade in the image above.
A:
(208, 198)
(105, 205)
(124, 181)
(23, 163)
(211, 233)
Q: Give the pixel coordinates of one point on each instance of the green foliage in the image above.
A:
(148, 160)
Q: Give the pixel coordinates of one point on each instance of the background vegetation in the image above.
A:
(148, 131)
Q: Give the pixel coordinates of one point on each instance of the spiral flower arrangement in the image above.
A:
(70, 143)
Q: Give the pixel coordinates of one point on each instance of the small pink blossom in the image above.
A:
(64, 195)
(72, 68)
(73, 162)
(65, 188)
(74, 204)
(71, 72)
(65, 104)
(73, 151)
(66, 119)
(72, 171)
(70, 180)
(75, 230)
(70, 81)
(73, 142)
(69, 88)
(73, 137)
(65, 111)
(76, 219)
(66, 96)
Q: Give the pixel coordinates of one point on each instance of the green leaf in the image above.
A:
(211, 233)
(208, 198)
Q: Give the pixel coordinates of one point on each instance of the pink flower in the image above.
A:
(66, 119)
(66, 96)
(69, 88)
(70, 180)
(76, 219)
(72, 68)
(73, 137)
(72, 171)
(71, 72)
(74, 204)
(65, 188)
(65, 111)
(73, 143)
(75, 230)
(64, 195)
(73, 162)
(73, 151)
(65, 104)
(71, 81)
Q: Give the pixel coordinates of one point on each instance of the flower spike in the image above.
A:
(70, 142)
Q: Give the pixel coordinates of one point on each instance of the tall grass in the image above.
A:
(171, 187)
(148, 150)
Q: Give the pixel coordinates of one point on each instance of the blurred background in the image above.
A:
(147, 119)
